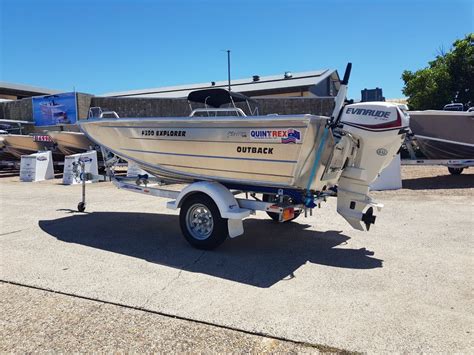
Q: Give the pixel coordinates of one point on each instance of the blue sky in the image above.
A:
(102, 46)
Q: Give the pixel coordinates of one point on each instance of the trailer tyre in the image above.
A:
(201, 222)
(455, 171)
(81, 206)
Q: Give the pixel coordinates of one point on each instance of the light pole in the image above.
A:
(228, 67)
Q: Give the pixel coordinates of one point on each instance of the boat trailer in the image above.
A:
(209, 210)
(455, 166)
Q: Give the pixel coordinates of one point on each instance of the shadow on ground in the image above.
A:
(448, 181)
(267, 253)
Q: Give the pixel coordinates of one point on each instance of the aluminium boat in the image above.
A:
(15, 139)
(444, 134)
(19, 139)
(18, 145)
(306, 154)
(69, 142)
(4, 155)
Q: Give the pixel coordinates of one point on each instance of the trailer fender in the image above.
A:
(222, 197)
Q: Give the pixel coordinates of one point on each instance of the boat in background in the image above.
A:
(15, 139)
(19, 144)
(19, 139)
(69, 142)
(5, 156)
(447, 134)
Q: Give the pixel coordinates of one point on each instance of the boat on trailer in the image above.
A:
(443, 134)
(16, 141)
(443, 137)
(293, 161)
(69, 142)
(19, 138)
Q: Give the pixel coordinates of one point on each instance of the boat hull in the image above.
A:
(4, 155)
(444, 134)
(434, 149)
(18, 145)
(264, 150)
(71, 142)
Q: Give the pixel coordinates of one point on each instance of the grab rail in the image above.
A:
(96, 112)
(109, 114)
(236, 110)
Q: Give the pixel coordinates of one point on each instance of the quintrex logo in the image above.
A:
(285, 136)
(366, 112)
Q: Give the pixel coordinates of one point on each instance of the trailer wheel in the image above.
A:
(81, 206)
(201, 222)
(273, 215)
(455, 171)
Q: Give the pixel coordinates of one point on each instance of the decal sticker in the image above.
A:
(254, 150)
(285, 136)
(232, 134)
(367, 112)
(293, 137)
(382, 152)
(42, 138)
(163, 132)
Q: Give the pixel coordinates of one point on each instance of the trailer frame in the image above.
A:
(455, 166)
(219, 207)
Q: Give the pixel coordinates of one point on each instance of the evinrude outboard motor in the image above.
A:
(379, 129)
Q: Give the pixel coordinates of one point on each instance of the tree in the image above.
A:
(448, 78)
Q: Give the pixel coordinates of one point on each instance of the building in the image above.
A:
(321, 83)
(289, 93)
(12, 91)
(372, 95)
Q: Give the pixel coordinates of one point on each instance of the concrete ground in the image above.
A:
(34, 320)
(405, 286)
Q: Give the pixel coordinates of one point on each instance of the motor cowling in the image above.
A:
(379, 129)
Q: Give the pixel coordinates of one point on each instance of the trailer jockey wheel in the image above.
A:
(81, 206)
(201, 222)
(276, 216)
(455, 171)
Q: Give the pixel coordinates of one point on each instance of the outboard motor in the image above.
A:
(379, 128)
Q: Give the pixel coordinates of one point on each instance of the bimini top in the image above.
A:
(216, 97)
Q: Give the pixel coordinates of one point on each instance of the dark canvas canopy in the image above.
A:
(216, 97)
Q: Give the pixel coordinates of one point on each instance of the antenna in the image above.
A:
(228, 67)
(341, 95)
